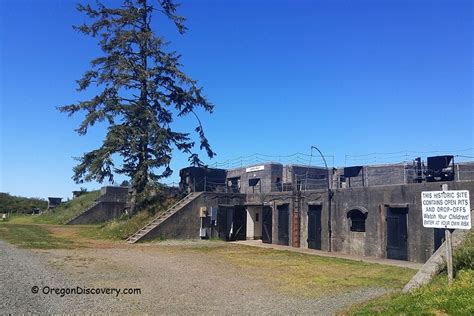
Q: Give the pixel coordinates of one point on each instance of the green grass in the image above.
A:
(60, 214)
(436, 298)
(117, 229)
(69, 209)
(306, 275)
(33, 236)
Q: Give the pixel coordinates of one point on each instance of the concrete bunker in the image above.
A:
(367, 211)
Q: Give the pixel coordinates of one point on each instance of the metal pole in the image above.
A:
(329, 197)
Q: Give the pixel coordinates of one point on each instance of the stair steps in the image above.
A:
(162, 217)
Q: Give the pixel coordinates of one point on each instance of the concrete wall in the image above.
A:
(99, 213)
(464, 171)
(113, 194)
(186, 223)
(380, 175)
(372, 201)
(308, 178)
(295, 204)
(314, 198)
(277, 178)
(269, 177)
(376, 200)
(109, 205)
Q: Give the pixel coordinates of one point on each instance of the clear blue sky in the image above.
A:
(351, 77)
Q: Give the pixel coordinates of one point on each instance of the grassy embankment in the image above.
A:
(436, 298)
(46, 230)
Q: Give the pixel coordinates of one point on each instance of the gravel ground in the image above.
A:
(171, 282)
(21, 270)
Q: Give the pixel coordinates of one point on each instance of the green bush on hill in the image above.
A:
(20, 205)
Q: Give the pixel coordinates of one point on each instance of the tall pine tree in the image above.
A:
(142, 91)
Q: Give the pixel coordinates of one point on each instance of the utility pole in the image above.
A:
(329, 197)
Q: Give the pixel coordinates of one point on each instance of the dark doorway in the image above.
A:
(283, 225)
(397, 236)
(225, 216)
(438, 238)
(314, 226)
(239, 229)
(267, 225)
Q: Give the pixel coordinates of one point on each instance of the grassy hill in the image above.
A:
(20, 205)
(116, 229)
(62, 213)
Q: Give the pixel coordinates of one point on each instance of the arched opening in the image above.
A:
(357, 220)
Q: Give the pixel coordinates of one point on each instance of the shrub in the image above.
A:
(463, 257)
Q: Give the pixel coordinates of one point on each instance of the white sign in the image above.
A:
(446, 209)
(256, 168)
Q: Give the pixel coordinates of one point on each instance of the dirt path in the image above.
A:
(171, 282)
(22, 270)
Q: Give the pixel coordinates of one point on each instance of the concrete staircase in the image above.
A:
(81, 213)
(162, 217)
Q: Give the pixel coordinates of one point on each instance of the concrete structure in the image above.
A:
(193, 217)
(198, 179)
(275, 177)
(369, 210)
(112, 203)
(54, 202)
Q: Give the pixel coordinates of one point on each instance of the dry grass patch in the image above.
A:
(301, 274)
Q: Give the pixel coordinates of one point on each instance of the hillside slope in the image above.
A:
(20, 205)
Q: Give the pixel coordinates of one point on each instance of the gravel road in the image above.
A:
(171, 282)
(21, 270)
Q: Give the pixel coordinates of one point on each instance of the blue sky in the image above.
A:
(350, 77)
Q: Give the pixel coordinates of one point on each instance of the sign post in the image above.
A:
(449, 210)
(449, 254)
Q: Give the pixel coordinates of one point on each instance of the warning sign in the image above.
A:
(446, 209)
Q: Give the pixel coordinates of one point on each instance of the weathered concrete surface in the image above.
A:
(99, 213)
(376, 200)
(373, 201)
(113, 194)
(185, 223)
(109, 205)
(268, 178)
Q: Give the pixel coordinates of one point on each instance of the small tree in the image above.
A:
(143, 91)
